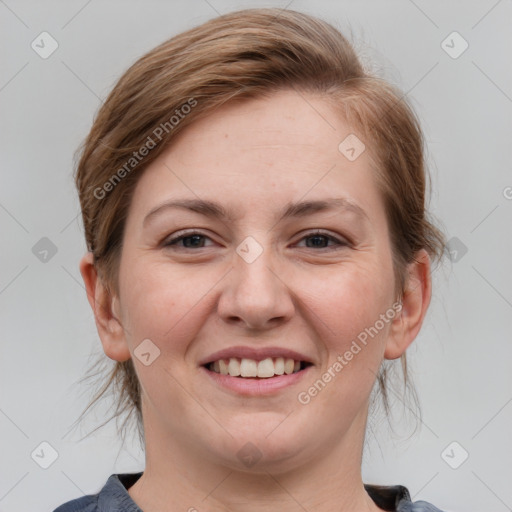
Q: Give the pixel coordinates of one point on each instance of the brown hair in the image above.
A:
(245, 54)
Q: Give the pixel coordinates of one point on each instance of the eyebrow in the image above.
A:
(292, 209)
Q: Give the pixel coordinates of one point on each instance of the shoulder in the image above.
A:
(113, 496)
(421, 506)
(397, 498)
(83, 504)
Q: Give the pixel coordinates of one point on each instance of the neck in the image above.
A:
(176, 478)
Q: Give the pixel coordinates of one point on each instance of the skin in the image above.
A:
(254, 157)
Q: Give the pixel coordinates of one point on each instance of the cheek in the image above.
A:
(163, 304)
(348, 309)
(347, 305)
(167, 307)
(348, 302)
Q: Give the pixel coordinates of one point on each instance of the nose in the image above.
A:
(255, 294)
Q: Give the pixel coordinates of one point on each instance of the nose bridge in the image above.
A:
(256, 294)
(253, 268)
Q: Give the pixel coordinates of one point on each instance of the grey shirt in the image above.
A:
(114, 497)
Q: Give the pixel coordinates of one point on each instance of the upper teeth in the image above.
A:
(251, 368)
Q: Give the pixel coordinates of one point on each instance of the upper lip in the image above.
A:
(257, 354)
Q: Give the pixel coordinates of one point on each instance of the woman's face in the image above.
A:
(286, 254)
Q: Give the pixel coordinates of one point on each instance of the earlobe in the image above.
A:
(106, 312)
(415, 302)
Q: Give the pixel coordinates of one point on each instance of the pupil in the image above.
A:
(317, 237)
(195, 237)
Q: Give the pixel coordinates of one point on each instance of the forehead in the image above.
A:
(286, 123)
(260, 152)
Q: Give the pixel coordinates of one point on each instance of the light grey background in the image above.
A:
(461, 359)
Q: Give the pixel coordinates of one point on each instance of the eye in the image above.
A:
(191, 240)
(196, 240)
(319, 239)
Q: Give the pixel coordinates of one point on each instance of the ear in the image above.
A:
(415, 302)
(106, 314)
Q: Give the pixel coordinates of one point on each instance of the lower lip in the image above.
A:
(254, 386)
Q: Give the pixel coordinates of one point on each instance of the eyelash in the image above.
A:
(340, 243)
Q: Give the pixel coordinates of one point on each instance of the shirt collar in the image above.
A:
(115, 494)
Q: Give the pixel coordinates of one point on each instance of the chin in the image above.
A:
(272, 443)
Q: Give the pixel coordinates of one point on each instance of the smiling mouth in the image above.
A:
(252, 369)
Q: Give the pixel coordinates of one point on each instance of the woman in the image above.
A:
(254, 210)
